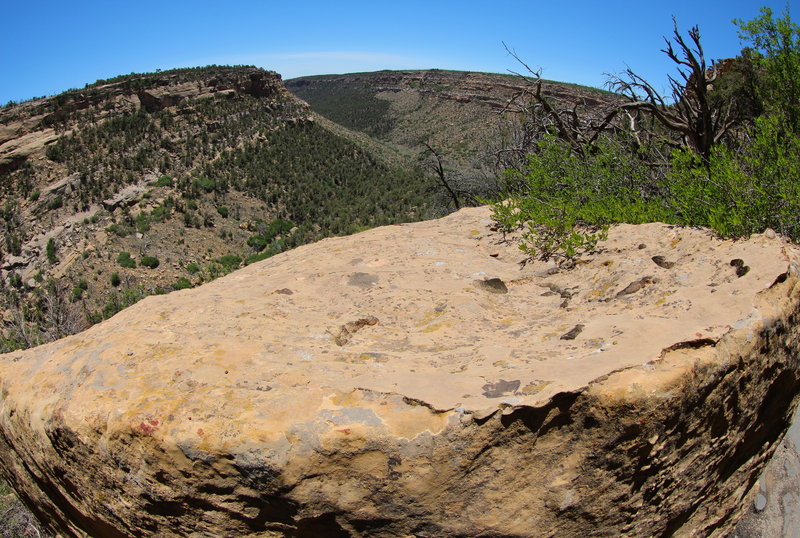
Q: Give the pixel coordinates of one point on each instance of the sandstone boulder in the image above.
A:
(417, 380)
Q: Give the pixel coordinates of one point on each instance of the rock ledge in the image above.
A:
(414, 380)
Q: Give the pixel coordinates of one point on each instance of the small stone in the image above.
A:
(492, 285)
(343, 335)
(573, 333)
(761, 503)
(284, 291)
(642, 246)
(769, 233)
(549, 271)
(662, 262)
(637, 285)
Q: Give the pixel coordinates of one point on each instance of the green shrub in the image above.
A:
(149, 261)
(192, 268)
(740, 194)
(190, 220)
(206, 184)
(564, 202)
(76, 295)
(253, 258)
(142, 222)
(118, 301)
(223, 211)
(51, 251)
(125, 260)
(163, 181)
(115, 280)
(34, 195)
(55, 203)
(182, 283)
(160, 213)
(121, 230)
(229, 262)
(257, 242)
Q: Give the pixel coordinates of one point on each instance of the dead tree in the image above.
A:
(699, 122)
(577, 124)
(438, 168)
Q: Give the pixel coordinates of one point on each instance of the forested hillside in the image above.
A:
(468, 119)
(148, 183)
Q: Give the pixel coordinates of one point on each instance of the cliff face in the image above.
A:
(413, 380)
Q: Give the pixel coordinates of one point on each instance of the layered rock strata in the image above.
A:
(418, 380)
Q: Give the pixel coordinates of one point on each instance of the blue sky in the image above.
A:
(51, 46)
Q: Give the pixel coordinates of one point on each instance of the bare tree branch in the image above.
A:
(689, 113)
(575, 127)
(439, 169)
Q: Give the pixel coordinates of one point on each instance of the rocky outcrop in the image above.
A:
(27, 128)
(416, 380)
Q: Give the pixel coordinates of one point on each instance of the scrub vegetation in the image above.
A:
(722, 151)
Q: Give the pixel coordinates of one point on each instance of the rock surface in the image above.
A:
(772, 509)
(416, 380)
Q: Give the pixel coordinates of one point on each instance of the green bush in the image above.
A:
(160, 213)
(55, 203)
(76, 295)
(163, 181)
(229, 262)
(257, 242)
(51, 251)
(142, 222)
(740, 194)
(253, 258)
(125, 260)
(192, 268)
(149, 261)
(775, 52)
(121, 230)
(118, 301)
(182, 283)
(206, 184)
(564, 202)
(223, 211)
(115, 280)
